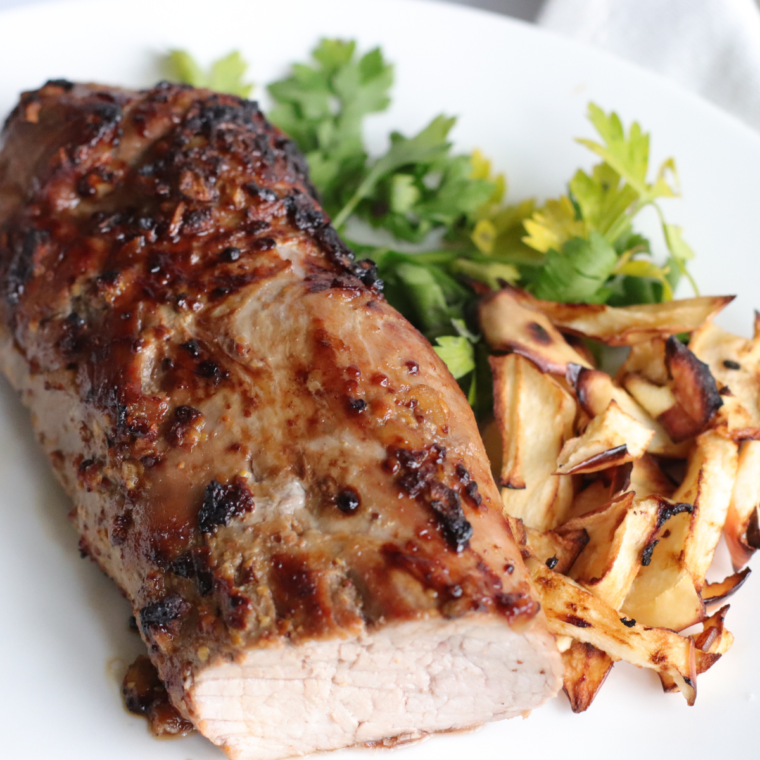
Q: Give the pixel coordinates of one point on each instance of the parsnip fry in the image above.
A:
(535, 416)
(628, 325)
(647, 360)
(713, 593)
(558, 552)
(655, 399)
(618, 537)
(695, 392)
(612, 438)
(715, 637)
(586, 669)
(735, 364)
(595, 389)
(744, 506)
(714, 640)
(509, 325)
(708, 485)
(666, 591)
(573, 611)
(648, 479)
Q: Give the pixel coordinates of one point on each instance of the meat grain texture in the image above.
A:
(272, 464)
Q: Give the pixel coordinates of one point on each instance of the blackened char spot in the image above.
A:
(64, 84)
(366, 271)
(646, 555)
(145, 694)
(230, 254)
(538, 333)
(183, 566)
(303, 212)
(222, 503)
(348, 501)
(263, 194)
(184, 421)
(357, 404)
(162, 614)
(577, 622)
(456, 528)
(100, 120)
(298, 162)
(192, 348)
(210, 370)
(335, 249)
(419, 477)
(666, 511)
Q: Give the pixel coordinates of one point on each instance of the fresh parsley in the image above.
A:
(224, 75)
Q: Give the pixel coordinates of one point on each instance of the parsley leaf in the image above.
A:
(605, 202)
(578, 272)
(322, 107)
(424, 148)
(225, 74)
(458, 353)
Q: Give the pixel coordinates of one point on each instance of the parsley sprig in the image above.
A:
(579, 247)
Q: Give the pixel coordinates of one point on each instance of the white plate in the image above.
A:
(521, 96)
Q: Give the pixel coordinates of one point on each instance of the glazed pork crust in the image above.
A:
(262, 453)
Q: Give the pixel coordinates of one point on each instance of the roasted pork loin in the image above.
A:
(273, 465)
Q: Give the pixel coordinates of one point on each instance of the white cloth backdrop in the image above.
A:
(711, 47)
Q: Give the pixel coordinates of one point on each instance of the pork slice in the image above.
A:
(273, 465)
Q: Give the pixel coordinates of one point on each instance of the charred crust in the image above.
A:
(211, 370)
(667, 510)
(192, 347)
(262, 194)
(419, 474)
(163, 615)
(204, 574)
(304, 213)
(183, 430)
(731, 364)
(366, 272)
(333, 246)
(552, 562)
(628, 622)
(694, 386)
(222, 503)
(610, 456)
(348, 500)
(230, 254)
(62, 84)
(183, 566)
(576, 621)
(356, 405)
(753, 531)
(538, 333)
(145, 694)
(646, 554)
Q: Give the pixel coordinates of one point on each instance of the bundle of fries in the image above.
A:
(618, 488)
